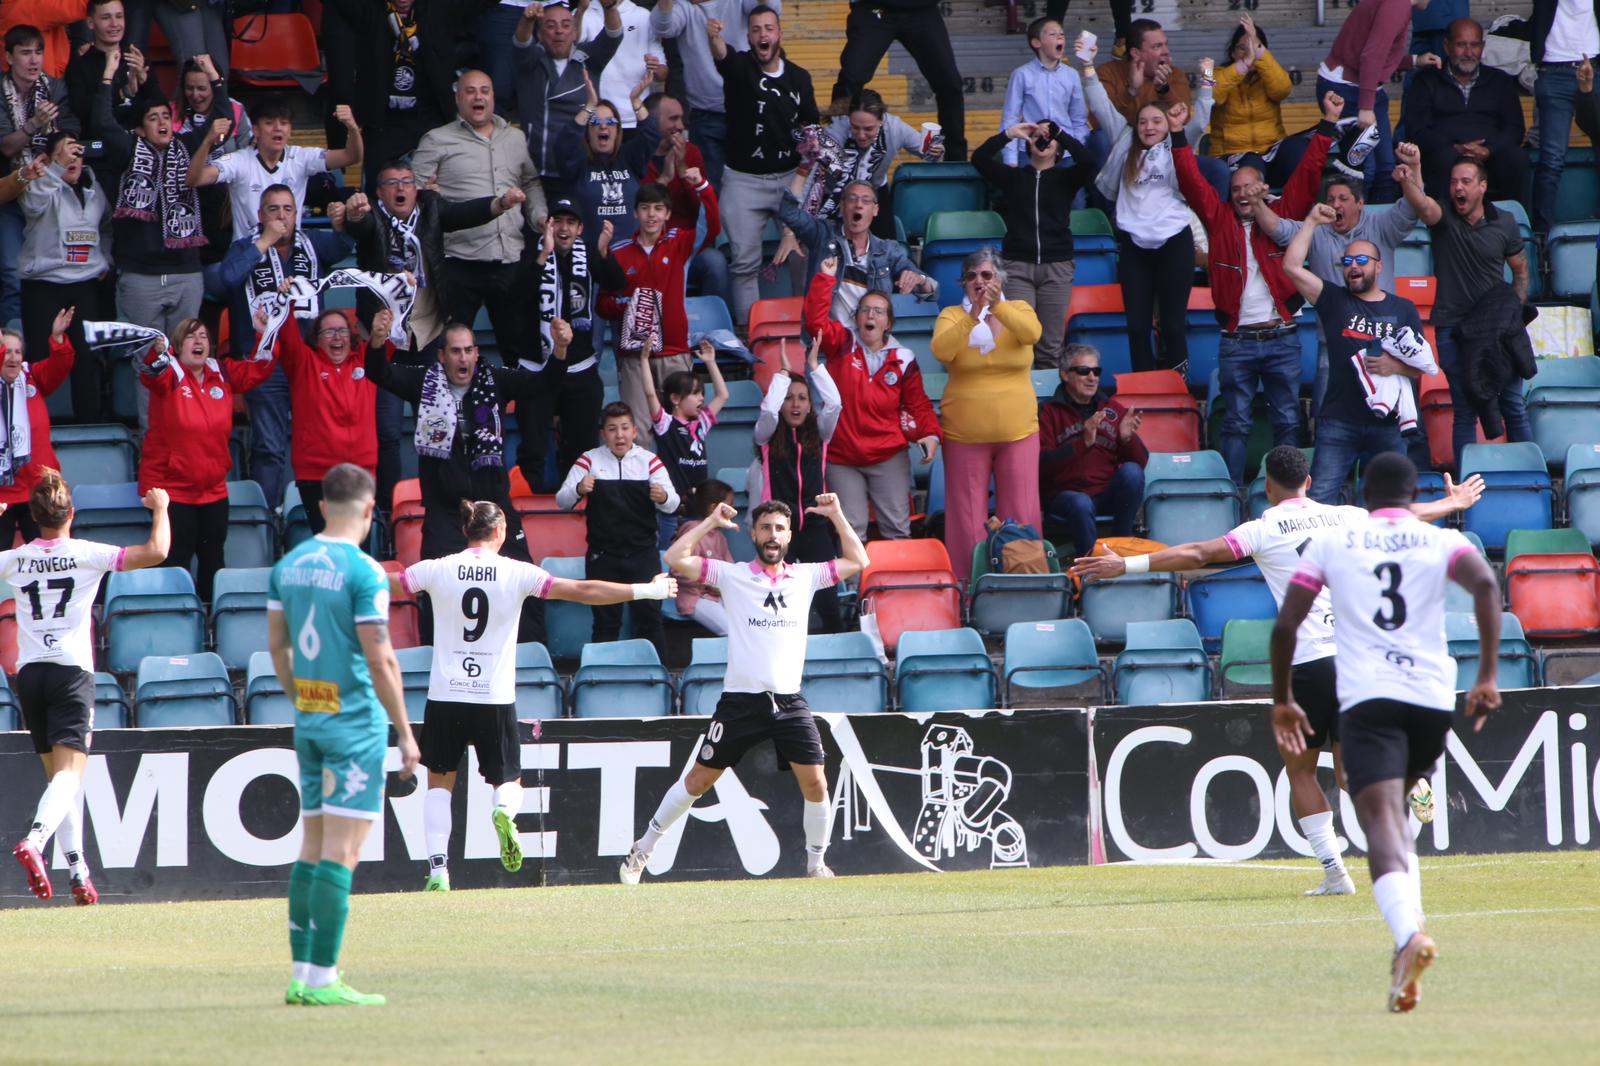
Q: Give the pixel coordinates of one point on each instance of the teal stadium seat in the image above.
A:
(1457, 598)
(621, 679)
(265, 702)
(112, 514)
(10, 712)
(997, 599)
(567, 625)
(416, 666)
(239, 614)
(1518, 665)
(94, 454)
(152, 612)
(1570, 248)
(185, 690)
(1563, 401)
(1109, 606)
(844, 674)
(1163, 662)
(111, 710)
(700, 685)
(1188, 496)
(296, 526)
(539, 691)
(922, 189)
(943, 670)
(1582, 487)
(1045, 659)
(250, 527)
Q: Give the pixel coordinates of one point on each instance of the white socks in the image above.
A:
(70, 836)
(1318, 829)
(508, 797)
(436, 827)
(320, 976)
(674, 805)
(59, 798)
(1400, 904)
(815, 820)
(301, 971)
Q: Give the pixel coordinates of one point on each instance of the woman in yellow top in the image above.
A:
(1247, 116)
(989, 414)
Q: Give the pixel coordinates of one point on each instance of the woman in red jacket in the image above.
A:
(333, 401)
(884, 408)
(186, 447)
(25, 423)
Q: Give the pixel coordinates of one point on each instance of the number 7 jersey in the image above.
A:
(56, 582)
(1388, 573)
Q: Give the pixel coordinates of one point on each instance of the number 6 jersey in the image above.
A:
(1388, 573)
(56, 582)
(477, 602)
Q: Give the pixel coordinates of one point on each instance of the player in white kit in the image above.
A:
(477, 599)
(1276, 541)
(1387, 573)
(56, 578)
(768, 602)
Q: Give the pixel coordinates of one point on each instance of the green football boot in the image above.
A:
(295, 995)
(510, 846)
(439, 882)
(340, 994)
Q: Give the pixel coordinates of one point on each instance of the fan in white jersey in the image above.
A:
(1276, 541)
(55, 579)
(768, 603)
(477, 599)
(1387, 573)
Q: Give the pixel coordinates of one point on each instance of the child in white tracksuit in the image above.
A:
(1392, 394)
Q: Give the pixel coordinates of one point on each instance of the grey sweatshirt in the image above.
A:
(63, 243)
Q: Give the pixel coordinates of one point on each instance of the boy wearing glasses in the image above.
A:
(1091, 460)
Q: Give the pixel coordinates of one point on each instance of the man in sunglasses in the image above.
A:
(1091, 460)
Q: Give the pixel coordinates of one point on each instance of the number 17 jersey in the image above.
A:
(56, 582)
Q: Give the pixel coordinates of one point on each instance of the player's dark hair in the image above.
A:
(1390, 480)
(1287, 467)
(479, 520)
(616, 409)
(50, 502)
(1476, 164)
(869, 101)
(1138, 28)
(271, 107)
(19, 35)
(766, 507)
(1036, 27)
(652, 193)
(347, 484)
(708, 494)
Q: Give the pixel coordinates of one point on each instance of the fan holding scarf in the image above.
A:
(25, 422)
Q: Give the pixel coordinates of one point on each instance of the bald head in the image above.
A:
(475, 99)
(1361, 278)
(1243, 189)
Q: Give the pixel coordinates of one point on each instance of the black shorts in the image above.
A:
(1316, 692)
(745, 719)
(1385, 740)
(491, 729)
(57, 705)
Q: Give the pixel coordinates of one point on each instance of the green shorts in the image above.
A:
(342, 775)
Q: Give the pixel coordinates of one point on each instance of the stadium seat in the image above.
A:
(1172, 421)
(700, 685)
(296, 526)
(1163, 662)
(1570, 247)
(8, 633)
(843, 674)
(250, 540)
(1094, 248)
(1236, 593)
(10, 710)
(1188, 496)
(111, 710)
(922, 189)
(951, 236)
(1518, 663)
(265, 702)
(944, 670)
(1555, 594)
(998, 600)
(910, 584)
(621, 679)
(567, 625)
(152, 612)
(95, 454)
(184, 690)
(539, 691)
(1049, 657)
(416, 667)
(707, 313)
(1097, 317)
(1530, 247)
(1245, 663)
(1582, 479)
(1563, 400)
(1546, 542)
(556, 533)
(1108, 606)
(770, 319)
(239, 614)
(405, 613)
(112, 514)
(277, 51)
(1516, 493)
(1457, 598)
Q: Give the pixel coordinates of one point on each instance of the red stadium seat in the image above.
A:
(556, 533)
(921, 553)
(1420, 291)
(406, 528)
(775, 318)
(407, 491)
(1095, 299)
(1172, 417)
(1555, 595)
(405, 615)
(276, 51)
(909, 584)
(1437, 412)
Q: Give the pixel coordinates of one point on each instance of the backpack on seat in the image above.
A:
(1015, 548)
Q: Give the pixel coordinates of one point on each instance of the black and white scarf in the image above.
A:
(155, 188)
(855, 164)
(404, 231)
(397, 294)
(438, 413)
(567, 300)
(21, 106)
(16, 443)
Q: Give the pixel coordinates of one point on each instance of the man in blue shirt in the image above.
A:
(1045, 88)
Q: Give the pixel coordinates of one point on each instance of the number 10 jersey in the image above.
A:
(477, 602)
(56, 582)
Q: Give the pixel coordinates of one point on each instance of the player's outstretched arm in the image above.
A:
(1455, 498)
(681, 558)
(1472, 572)
(385, 670)
(600, 593)
(855, 559)
(152, 552)
(1289, 723)
(1190, 556)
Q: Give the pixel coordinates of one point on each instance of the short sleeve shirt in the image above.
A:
(1470, 259)
(768, 617)
(477, 602)
(56, 582)
(246, 176)
(682, 447)
(1277, 541)
(1351, 325)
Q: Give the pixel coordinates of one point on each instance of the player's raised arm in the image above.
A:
(681, 558)
(1289, 723)
(600, 593)
(854, 560)
(385, 670)
(1294, 257)
(1472, 572)
(152, 552)
(1455, 498)
(1190, 556)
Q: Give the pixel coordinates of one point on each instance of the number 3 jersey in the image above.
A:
(477, 602)
(55, 583)
(1388, 573)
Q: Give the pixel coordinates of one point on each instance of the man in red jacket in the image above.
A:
(1091, 460)
(1255, 300)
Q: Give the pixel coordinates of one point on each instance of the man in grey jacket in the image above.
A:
(550, 77)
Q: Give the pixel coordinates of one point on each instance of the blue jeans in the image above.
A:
(1339, 446)
(13, 228)
(1464, 427)
(1075, 511)
(270, 434)
(709, 132)
(1378, 170)
(495, 29)
(1275, 363)
(709, 270)
(1555, 99)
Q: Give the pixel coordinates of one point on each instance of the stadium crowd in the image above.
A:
(577, 172)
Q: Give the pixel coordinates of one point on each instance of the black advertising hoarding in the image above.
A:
(1206, 781)
(211, 813)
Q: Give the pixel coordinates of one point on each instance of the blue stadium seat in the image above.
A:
(1108, 606)
(152, 612)
(567, 625)
(1188, 496)
(296, 526)
(10, 711)
(416, 667)
(1516, 494)
(1048, 657)
(185, 690)
(951, 237)
(700, 685)
(1570, 247)
(1163, 662)
(111, 710)
(843, 673)
(239, 614)
(621, 679)
(920, 189)
(94, 454)
(1238, 592)
(250, 527)
(112, 514)
(943, 670)
(1518, 663)
(731, 445)
(1205, 344)
(996, 600)
(1579, 191)
(736, 475)
(265, 702)
(539, 690)
(1107, 331)
(1457, 598)
(1582, 479)
(707, 313)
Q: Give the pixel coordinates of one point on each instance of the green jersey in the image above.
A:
(325, 588)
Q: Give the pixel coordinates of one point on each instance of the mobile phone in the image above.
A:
(1085, 47)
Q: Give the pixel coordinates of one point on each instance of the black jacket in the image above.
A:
(377, 247)
(1495, 351)
(366, 89)
(1544, 16)
(1437, 116)
(1038, 202)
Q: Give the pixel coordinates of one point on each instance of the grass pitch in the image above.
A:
(1203, 963)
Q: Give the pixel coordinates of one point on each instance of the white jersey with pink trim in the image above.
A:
(768, 617)
(477, 602)
(1388, 573)
(1277, 541)
(55, 582)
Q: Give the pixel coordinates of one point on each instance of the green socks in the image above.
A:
(330, 906)
(300, 876)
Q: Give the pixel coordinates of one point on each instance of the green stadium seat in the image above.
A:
(1245, 662)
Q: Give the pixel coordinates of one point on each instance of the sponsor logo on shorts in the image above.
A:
(316, 697)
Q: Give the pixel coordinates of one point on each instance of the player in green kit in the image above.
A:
(328, 629)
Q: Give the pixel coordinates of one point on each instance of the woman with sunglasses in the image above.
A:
(989, 414)
(603, 180)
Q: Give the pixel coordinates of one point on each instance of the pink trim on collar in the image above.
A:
(1391, 512)
(761, 571)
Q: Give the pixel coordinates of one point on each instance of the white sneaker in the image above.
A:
(1421, 799)
(819, 870)
(1335, 882)
(633, 866)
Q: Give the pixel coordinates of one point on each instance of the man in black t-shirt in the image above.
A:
(1355, 320)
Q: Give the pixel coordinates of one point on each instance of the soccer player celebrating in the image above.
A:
(328, 631)
(477, 599)
(56, 578)
(769, 609)
(1276, 541)
(1387, 572)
